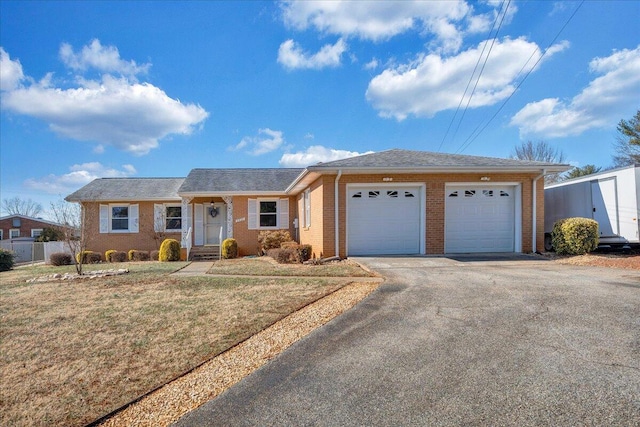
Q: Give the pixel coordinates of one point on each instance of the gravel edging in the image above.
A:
(170, 402)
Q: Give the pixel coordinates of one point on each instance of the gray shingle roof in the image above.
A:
(407, 159)
(122, 189)
(234, 181)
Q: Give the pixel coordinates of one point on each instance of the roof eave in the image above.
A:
(231, 193)
(441, 169)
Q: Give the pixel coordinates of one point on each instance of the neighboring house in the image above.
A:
(390, 202)
(23, 227)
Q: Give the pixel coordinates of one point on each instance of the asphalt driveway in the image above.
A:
(466, 341)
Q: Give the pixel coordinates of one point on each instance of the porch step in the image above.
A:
(204, 253)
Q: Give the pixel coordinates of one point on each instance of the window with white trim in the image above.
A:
(1, 234)
(268, 214)
(307, 208)
(119, 218)
(36, 232)
(14, 233)
(173, 218)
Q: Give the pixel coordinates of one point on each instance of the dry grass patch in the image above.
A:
(266, 266)
(73, 351)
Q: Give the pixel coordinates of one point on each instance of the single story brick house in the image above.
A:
(23, 227)
(389, 202)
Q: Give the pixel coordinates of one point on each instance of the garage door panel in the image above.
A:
(479, 219)
(383, 220)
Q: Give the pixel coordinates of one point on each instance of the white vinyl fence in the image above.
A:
(29, 251)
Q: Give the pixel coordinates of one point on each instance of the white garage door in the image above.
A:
(479, 219)
(383, 220)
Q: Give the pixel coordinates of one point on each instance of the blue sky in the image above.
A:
(144, 89)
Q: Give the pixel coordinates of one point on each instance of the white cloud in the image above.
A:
(372, 65)
(315, 154)
(113, 111)
(79, 175)
(601, 104)
(10, 72)
(435, 83)
(103, 58)
(381, 20)
(291, 56)
(267, 141)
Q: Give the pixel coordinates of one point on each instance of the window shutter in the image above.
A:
(198, 226)
(158, 218)
(104, 218)
(284, 214)
(133, 219)
(252, 212)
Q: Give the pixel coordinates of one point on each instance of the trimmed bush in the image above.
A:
(118, 256)
(169, 250)
(88, 257)
(60, 258)
(286, 255)
(303, 251)
(272, 239)
(575, 236)
(135, 255)
(229, 248)
(155, 255)
(7, 260)
(107, 255)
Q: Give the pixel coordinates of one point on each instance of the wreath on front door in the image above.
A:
(213, 212)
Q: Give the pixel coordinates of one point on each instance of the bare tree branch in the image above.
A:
(18, 206)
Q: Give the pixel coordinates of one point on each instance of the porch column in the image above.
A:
(229, 201)
(186, 222)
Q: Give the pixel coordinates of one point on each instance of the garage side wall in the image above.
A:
(435, 204)
(314, 233)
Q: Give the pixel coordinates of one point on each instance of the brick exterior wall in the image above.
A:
(435, 207)
(320, 232)
(26, 225)
(145, 240)
(248, 239)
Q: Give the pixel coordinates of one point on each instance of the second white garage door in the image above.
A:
(480, 219)
(384, 220)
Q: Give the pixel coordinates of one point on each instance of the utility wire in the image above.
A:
(482, 69)
(470, 80)
(473, 137)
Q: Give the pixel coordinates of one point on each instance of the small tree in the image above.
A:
(51, 234)
(627, 143)
(540, 151)
(585, 170)
(71, 217)
(18, 206)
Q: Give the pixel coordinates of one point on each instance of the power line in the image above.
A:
(473, 137)
(481, 70)
(469, 82)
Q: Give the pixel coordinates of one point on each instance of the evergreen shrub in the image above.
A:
(169, 250)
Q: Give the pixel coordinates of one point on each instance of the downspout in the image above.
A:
(336, 214)
(534, 209)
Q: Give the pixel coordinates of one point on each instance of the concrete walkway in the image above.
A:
(196, 268)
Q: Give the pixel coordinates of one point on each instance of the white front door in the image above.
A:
(215, 223)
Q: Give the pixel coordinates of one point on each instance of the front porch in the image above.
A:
(207, 222)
